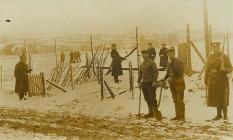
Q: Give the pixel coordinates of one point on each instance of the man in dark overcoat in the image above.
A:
(151, 51)
(20, 72)
(163, 56)
(218, 66)
(175, 77)
(148, 74)
(116, 63)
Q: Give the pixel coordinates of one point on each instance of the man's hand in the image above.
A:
(154, 84)
(139, 84)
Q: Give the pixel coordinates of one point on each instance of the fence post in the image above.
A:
(43, 84)
(1, 77)
(71, 76)
(102, 83)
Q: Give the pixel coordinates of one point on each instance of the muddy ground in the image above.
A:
(90, 127)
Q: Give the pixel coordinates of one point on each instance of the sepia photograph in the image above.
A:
(116, 69)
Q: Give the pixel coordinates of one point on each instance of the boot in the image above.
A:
(219, 115)
(181, 112)
(176, 110)
(150, 113)
(225, 113)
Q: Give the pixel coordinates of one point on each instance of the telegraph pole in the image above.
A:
(206, 28)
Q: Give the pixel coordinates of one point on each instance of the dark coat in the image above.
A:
(163, 57)
(116, 63)
(152, 53)
(21, 70)
(175, 71)
(217, 82)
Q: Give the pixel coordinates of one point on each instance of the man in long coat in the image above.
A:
(175, 77)
(116, 63)
(218, 66)
(20, 72)
(163, 56)
(151, 52)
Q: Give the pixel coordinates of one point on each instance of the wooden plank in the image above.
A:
(198, 53)
(57, 86)
(109, 89)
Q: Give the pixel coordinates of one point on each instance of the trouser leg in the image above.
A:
(225, 112)
(21, 95)
(116, 79)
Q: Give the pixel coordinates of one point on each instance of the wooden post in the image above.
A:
(210, 38)
(189, 61)
(55, 49)
(1, 77)
(228, 46)
(71, 77)
(92, 56)
(206, 28)
(43, 84)
(102, 84)
(138, 64)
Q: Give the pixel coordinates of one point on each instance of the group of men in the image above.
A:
(116, 67)
(148, 82)
(218, 67)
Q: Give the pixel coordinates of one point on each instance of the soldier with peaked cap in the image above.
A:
(163, 56)
(116, 63)
(20, 72)
(175, 77)
(148, 74)
(151, 52)
(218, 66)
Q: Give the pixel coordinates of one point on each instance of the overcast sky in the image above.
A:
(69, 17)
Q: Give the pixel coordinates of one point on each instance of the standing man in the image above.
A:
(218, 65)
(20, 72)
(148, 74)
(72, 57)
(163, 56)
(116, 63)
(175, 77)
(151, 52)
(62, 56)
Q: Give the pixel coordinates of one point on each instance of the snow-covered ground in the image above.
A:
(85, 99)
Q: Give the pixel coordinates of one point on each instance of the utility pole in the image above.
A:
(189, 61)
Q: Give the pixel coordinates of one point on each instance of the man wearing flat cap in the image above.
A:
(148, 74)
(116, 63)
(163, 56)
(20, 72)
(151, 51)
(218, 66)
(175, 78)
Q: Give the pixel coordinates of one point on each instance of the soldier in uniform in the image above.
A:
(218, 65)
(116, 63)
(62, 56)
(148, 74)
(20, 72)
(151, 52)
(175, 77)
(163, 56)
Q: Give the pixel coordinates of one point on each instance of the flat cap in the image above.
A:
(216, 44)
(144, 51)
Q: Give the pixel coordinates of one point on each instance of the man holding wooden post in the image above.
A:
(148, 74)
(218, 66)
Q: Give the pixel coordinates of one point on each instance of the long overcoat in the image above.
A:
(217, 81)
(116, 63)
(163, 57)
(20, 72)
